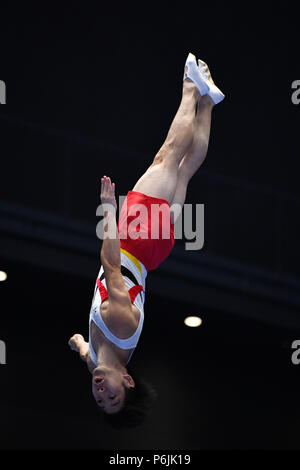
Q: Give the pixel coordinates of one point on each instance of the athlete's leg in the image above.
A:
(195, 156)
(160, 179)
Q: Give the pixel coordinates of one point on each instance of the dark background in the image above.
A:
(93, 92)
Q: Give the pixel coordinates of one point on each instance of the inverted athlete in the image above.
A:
(117, 311)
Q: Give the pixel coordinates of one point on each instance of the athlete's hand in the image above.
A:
(75, 341)
(108, 192)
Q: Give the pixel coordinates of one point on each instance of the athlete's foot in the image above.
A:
(214, 92)
(192, 73)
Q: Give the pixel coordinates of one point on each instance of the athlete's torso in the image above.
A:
(103, 332)
(99, 340)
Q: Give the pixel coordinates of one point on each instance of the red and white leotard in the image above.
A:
(134, 275)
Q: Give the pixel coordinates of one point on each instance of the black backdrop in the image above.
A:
(93, 92)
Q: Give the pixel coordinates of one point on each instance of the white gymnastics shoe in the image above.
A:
(194, 74)
(214, 92)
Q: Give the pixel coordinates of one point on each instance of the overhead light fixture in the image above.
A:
(193, 321)
(3, 276)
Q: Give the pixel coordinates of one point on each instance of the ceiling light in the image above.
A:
(3, 276)
(193, 321)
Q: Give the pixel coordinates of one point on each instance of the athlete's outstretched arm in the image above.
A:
(110, 252)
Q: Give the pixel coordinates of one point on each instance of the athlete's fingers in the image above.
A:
(108, 184)
(107, 188)
(103, 187)
(105, 184)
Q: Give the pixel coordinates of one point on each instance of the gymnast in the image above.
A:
(129, 251)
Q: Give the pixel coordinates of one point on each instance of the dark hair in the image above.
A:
(137, 403)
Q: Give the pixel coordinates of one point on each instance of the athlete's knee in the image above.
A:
(159, 158)
(166, 154)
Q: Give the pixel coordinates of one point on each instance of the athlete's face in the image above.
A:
(108, 387)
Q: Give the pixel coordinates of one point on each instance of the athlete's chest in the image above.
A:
(120, 324)
(100, 342)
